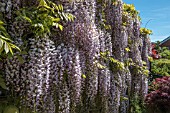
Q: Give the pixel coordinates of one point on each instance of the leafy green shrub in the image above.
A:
(161, 67)
(165, 54)
(44, 17)
(137, 105)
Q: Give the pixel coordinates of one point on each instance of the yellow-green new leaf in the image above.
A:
(14, 46)
(42, 3)
(1, 23)
(10, 49)
(56, 19)
(27, 19)
(60, 7)
(100, 66)
(127, 49)
(60, 27)
(83, 75)
(2, 28)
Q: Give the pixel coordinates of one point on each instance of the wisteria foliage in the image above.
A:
(64, 72)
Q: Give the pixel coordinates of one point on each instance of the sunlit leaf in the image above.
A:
(60, 27)
(1, 43)
(100, 66)
(10, 49)
(6, 47)
(83, 75)
(14, 46)
(1, 23)
(4, 38)
(60, 7)
(42, 3)
(27, 19)
(56, 19)
(127, 49)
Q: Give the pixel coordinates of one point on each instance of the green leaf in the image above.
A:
(1, 43)
(100, 66)
(65, 16)
(60, 7)
(2, 82)
(10, 49)
(60, 27)
(113, 60)
(4, 38)
(5, 34)
(49, 8)
(27, 19)
(21, 60)
(14, 46)
(1, 50)
(127, 49)
(1, 23)
(2, 28)
(56, 19)
(56, 7)
(24, 52)
(83, 75)
(146, 72)
(150, 59)
(6, 47)
(1, 78)
(9, 55)
(42, 3)
(3, 85)
(55, 24)
(123, 98)
(103, 54)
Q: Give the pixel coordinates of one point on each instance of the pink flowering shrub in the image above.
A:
(159, 98)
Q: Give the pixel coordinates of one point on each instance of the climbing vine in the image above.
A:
(113, 63)
(88, 61)
(145, 31)
(6, 44)
(102, 17)
(44, 17)
(117, 65)
(129, 11)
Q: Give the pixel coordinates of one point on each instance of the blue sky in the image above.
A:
(159, 13)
